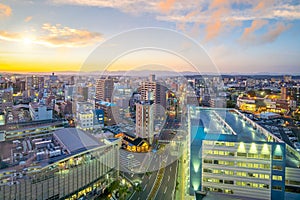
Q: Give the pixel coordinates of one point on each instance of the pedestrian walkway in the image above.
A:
(128, 163)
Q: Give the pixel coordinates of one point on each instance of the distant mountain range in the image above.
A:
(157, 73)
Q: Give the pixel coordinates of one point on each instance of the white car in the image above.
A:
(297, 145)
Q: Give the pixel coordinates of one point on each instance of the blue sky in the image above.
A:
(246, 36)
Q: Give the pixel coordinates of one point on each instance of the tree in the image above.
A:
(230, 104)
(113, 186)
(138, 188)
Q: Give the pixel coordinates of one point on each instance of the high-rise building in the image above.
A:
(284, 92)
(153, 91)
(144, 120)
(69, 92)
(152, 78)
(104, 89)
(6, 99)
(34, 82)
(19, 86)
(83, 92)
(295, 94)
(234, 157)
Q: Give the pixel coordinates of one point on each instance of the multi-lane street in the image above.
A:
(166, 188)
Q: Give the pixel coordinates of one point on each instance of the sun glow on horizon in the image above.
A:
(27, 40)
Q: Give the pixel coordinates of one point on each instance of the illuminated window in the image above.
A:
(227, 172)
(241, 173)
(264, 166)
(252, 155)
(227, 191)
(230, 144)
(255, 165)
(208, 152)
(264, 176)
(277, 178)
(265, 156)
(208, 142)
(231, 163)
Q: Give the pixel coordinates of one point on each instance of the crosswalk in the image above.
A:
(129, 163)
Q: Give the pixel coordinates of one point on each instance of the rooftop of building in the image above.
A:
(220, 121)
(105, 103)
(227, 121)
(35, 105)
(23, 126)
(75, 140)
(135, 141)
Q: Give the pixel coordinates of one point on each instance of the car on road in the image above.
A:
(297, 146)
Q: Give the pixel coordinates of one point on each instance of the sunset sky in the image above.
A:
(243, 36)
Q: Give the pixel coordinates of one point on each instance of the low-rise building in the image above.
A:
(39, 111)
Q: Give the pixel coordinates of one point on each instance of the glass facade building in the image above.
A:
(83, 174)
(223, 161)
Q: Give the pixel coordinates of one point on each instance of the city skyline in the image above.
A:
(241, 37)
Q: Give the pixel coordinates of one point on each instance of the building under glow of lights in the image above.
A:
(235, 157)
(88, 170)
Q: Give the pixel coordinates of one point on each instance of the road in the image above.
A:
(166, 190)
(167, 187)
(146, 186)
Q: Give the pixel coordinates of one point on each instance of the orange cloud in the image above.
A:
(263, 5)
(219, 3)
(56, 36)
(256, 24)
(215, 24)
(271, 35)
(4, 10)
(166, 6)
(27, 19)
(66, 36)
(274, 32)
(4, 35)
